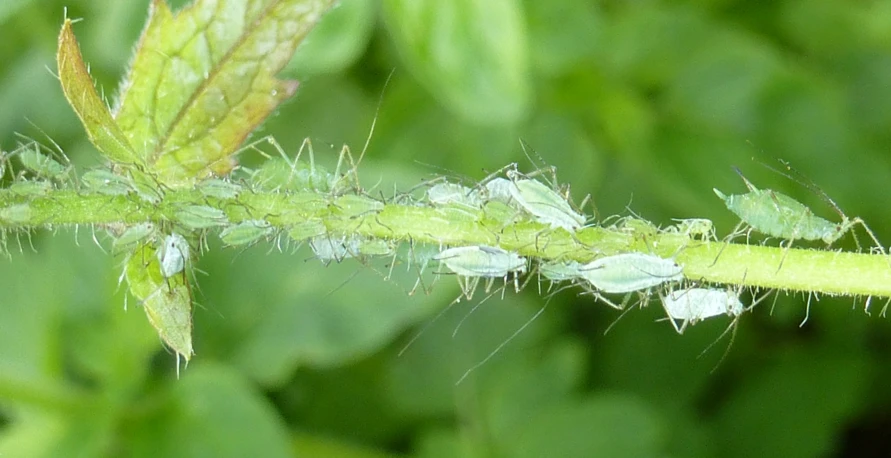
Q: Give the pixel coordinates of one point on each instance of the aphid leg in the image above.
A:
(749, 184)
(737, 231)
(885, 308)
(428, 324)
(503, 344)
(807, 312)
(866, 305)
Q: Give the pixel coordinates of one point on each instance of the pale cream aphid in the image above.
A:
(471, 263)
(173, 254)
(629, 272)
(452, 193)
(15, 214)
(545, 204)
(327, 249)
(692, 305)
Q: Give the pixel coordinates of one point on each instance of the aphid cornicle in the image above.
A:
(779, 215)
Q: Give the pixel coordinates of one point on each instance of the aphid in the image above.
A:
(30, 188)
(146, 187)
(41, 164)
(173, 255)
(560, 271)
(246, 232)
(218, 188)
(628, 272)
(544, 203)
(375, 247)
(702, 228)
(499, 189)
(693, 305)
(354, 205)
(474, 262)
(779, 215)
(132, 235)
(308, 229)
(106, 182)
(452, 193)
(328, 249)
(15, 214)
(197, 217)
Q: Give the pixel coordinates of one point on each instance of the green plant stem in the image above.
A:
(795, 269)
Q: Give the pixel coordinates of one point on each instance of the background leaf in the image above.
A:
(645, 105)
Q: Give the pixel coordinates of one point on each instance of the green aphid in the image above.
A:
(246, 232)
(277, 174)
(197, 217)
(106, 182)
(354, 205)
(781, 216)
(16, 214)
(30, 188)
(218, 188)
(305, 230)
(146, 187)
(373, 247)
(133, 235)
(41, 164)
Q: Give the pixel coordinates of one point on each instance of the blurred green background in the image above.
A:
(645, 103)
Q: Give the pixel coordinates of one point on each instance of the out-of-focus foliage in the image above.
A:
(652, 100)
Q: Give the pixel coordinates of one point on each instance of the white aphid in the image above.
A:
(498, 189)
(451, 193)
(692, 305)
(547, 205)
(173, 254)
(329, 249)
(471, 263)
(481, 261)
(627, 272)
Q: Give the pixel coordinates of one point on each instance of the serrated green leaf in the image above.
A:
(92, 111)
(472, 54)
(204, 78)
(167, 302)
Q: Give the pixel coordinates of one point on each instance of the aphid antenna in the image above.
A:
(885, 308)
(504, 343)
(470, 312)
(345, 150)
(540, 167)
(807, 313)
(427, 325)
(732, 328)
(642, 303)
